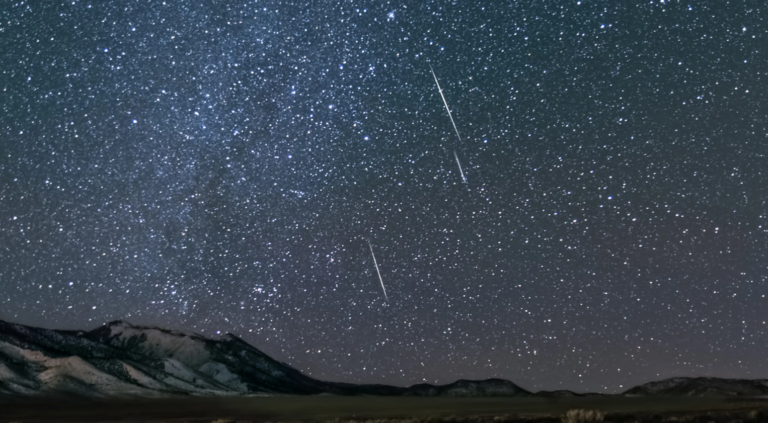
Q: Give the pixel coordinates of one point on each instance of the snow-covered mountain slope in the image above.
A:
(119, 359)
(192, 361)
(702, 387)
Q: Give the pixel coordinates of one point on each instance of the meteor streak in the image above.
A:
(459, 163)
(463, 178)
(377, 270)
(445, 102)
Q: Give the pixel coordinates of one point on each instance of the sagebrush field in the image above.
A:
(389, 410)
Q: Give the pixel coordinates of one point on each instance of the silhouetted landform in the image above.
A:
(702, 387)
(469, 388)
(560, 393)
(122, 360)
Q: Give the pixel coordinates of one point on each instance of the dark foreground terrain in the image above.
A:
(386, 410)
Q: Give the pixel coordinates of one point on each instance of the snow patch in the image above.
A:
(221, 373)
(143, 379)
(22, 354)
(185, 348)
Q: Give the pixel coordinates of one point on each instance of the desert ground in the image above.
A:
(382, 409)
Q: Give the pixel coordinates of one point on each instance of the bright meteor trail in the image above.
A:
(460, 169)
(445, 102)
(377, 270)
(440, 90)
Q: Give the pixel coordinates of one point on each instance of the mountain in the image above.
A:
(469, 388)
(701, 387)
(123, 360)
(562, 393)
(119, 359)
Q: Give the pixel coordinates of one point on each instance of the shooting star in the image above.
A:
(440, 90)
(445, 102)
(460, 169)
(377, 269)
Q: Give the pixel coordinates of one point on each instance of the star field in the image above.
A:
(220, 166)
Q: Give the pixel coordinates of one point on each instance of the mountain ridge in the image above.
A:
(701, 387)
(119, 359)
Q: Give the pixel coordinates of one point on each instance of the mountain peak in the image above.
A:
(119, 323)
(234, 338)
(114, 328)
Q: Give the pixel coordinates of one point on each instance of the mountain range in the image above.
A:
(122, 360)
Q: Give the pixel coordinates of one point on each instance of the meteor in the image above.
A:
(377, 269)
(445, 102)
(459, 163)
(440, 90)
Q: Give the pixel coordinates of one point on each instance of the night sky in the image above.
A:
(221, 166)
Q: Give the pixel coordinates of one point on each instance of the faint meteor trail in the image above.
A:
(460, 170)
(440, 90)
(377, 269)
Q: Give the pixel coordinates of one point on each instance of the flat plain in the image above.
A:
(361, 409)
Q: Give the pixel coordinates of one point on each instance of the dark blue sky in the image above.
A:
(218, 167)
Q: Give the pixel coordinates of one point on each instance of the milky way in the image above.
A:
(218, 166)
